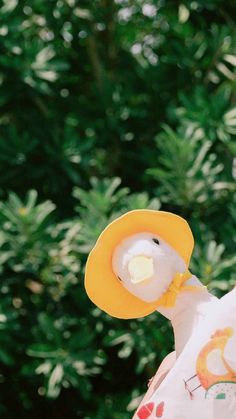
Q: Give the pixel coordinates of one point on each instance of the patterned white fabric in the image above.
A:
(201, 382)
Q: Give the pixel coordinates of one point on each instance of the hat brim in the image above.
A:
(102, 285)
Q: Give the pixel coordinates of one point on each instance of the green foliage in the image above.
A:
(188, 173)
(105, 106)
(43, 284)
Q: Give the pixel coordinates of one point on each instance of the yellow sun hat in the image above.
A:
(102, 285)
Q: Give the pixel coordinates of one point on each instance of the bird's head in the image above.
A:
(145, 264)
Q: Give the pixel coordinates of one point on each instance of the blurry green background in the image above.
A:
(105, 106)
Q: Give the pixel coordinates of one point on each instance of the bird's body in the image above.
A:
(204, 372)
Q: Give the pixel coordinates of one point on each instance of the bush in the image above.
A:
(105, 107)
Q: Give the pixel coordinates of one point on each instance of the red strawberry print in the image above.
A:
(159, 410)
(145, 411)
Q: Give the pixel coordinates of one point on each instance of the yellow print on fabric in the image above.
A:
(213, 369)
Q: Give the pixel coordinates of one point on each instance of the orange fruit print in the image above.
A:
(159, 410)
(145, 411)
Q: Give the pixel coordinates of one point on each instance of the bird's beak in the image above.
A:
(140, 269)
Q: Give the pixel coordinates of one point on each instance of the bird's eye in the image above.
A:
(156, 241)
(119, 278)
